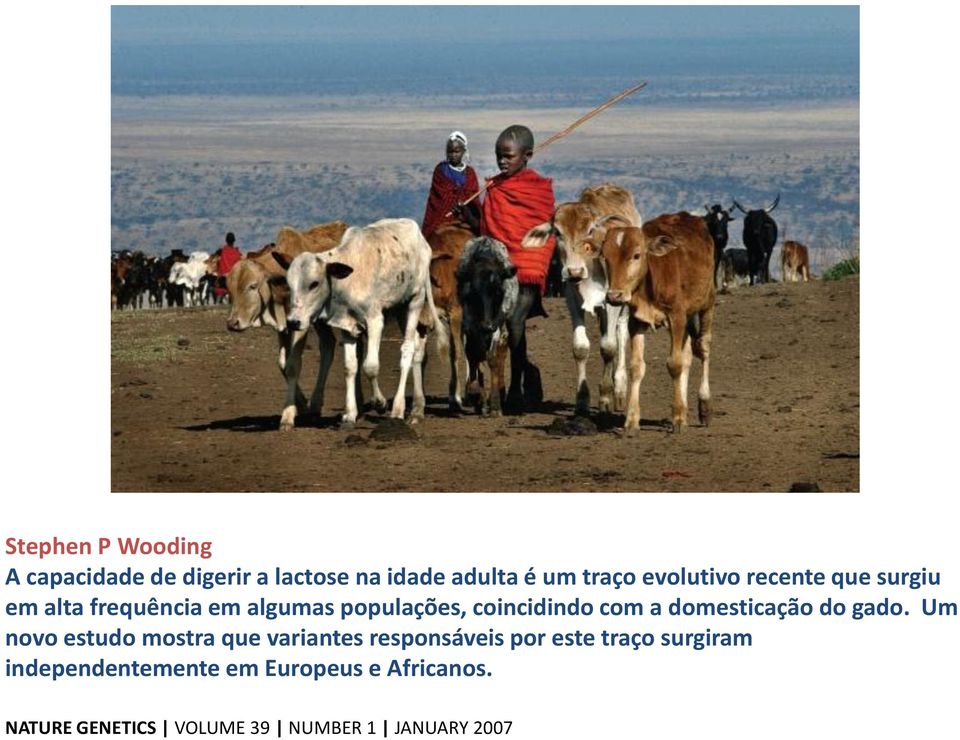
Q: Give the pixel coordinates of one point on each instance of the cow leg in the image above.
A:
(686, 359)
(407, 350)
(581, 347)
(620, 371)
(496, 360)
(638, 369)
(283, 339)
(680, 353)
(350, 365)
(456, 358)
(371, 363)
(291, 372)
(475, 355)
(419, 363)
(328, 345)
(612, 345)
(517, 337)
(701, 348)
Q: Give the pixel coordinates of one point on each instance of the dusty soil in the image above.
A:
(195, 408)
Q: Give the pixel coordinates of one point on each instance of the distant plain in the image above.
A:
(187, 168)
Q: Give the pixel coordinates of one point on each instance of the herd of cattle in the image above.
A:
(344, 282)
(138, 280)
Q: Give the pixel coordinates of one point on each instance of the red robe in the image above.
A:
(512, 207)
(229, 256)
(444, 195)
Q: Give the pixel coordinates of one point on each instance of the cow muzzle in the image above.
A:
(576, 274)
(616, 297)
(293, 324)
(233, 324)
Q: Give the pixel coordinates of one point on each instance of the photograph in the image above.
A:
(422, 249)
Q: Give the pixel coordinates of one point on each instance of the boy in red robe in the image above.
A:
(229, 256)
(453, 182)
(516, 200)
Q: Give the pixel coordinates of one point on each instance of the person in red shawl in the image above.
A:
(515, 201)
(453, 182)
(229, 256)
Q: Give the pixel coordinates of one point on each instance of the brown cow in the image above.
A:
(446, 244)
(794, 262)
(574, 225)
(259, 296)
(664, 270)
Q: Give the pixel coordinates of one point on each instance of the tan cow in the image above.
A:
(664, 271)
(259, 296)
(575, 225)
(794, 262)
(446, 244)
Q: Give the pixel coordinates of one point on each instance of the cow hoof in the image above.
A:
(605, 405)
(380, 405)
(704, 411)
(415, 419)
(455, 405)
(676, 427)
(630, 432)
(347, 425)
(620, 402)
(514, 403)
(287, 418)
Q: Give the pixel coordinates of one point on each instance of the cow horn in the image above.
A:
(742, 209)
(773, 205)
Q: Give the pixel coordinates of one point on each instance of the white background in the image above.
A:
(825, 678)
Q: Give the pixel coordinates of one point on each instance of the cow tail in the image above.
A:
(440, 329)
(443, 337)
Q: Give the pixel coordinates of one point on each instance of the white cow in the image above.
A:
(376, 268)
(578, 227)
(189, 274)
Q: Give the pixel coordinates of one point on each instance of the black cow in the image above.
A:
(174, 292)
(717, 219)
(759, 237)
(734, 267)
(495, 310)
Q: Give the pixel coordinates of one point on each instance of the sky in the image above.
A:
(233, 24)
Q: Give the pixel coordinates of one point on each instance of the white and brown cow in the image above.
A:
(664, 273)
(794, 262)
(381, 267)
(578, 227)
(259, 296)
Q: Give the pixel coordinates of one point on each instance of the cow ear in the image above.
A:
(538, 236)
(660, 245)
(281, 259)
(338, 270)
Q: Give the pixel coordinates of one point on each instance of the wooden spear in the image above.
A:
(560, 134)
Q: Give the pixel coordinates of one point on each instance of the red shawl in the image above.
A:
(444, 195)
(512, 207)
(229, 256)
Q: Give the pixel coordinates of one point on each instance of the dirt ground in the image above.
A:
(195, 408)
